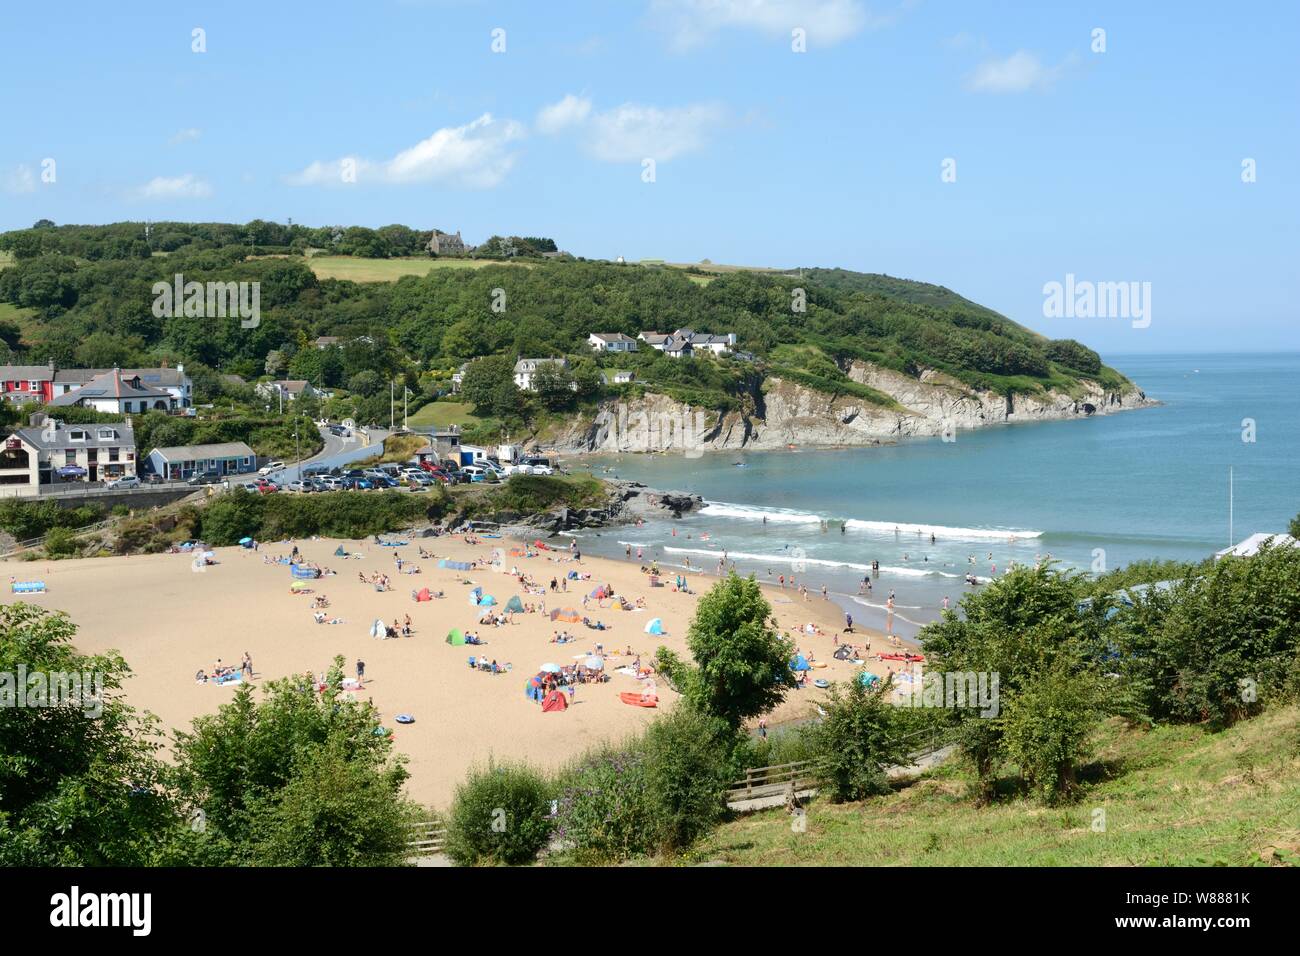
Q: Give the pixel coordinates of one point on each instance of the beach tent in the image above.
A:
(454, 565)
(455, 638)
(424, 595)
(800, 663)
(487, 600)
(572, 575)
(654, 626)
(474, 595)
(340, 552)
(515, 605)
(566, 614)
(866, 678)
(598, 593)
(246, 542)
(555, 701)
(378, 629)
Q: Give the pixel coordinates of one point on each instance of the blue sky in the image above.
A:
(1117, 166)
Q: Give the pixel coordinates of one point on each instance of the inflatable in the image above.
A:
(638, 700)
(515, 605)
(404, 719)
(821, 682)
(920, 658)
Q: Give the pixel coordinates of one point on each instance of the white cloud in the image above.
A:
(19, 180)
(187, 186)
(690, 23)
(189, 135)
(570, 111)
(1018, 73)
(476, 155)
(632, 132)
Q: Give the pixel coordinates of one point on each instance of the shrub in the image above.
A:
(60, 542)
(499, 815)
(856, 741)
(688, 767)
(604, 812)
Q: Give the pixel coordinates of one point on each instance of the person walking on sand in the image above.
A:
(246, 665)
(361, 671)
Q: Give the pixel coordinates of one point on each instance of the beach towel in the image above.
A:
(27, 587)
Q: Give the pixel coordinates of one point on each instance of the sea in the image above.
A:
(1218, 459)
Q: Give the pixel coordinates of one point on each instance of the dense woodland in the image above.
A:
(82, 295)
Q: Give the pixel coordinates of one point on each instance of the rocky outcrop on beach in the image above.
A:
(628, 501)
(783, 413)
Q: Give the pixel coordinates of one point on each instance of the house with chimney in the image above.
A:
(445, 244)
(116, 392)
(611, 342)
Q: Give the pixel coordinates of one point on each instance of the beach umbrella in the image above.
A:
(551, 668)
(594, 662)
(474, 595)
(246, 541)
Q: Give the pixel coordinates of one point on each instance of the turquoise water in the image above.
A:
(1099, 492)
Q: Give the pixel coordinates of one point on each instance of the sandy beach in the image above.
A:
(169, 621)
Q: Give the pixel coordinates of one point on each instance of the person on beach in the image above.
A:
(945, 602)
(848, 623)
(361, 671)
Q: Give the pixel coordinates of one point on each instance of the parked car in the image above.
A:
(269, 467)
(539, 466)
(266, 487)
(205, 478)
(299, 486)
(127, 481)
(152, 478)
(475, 472)
(330, 483)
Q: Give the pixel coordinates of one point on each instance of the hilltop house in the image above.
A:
(325, 341)
(618, 376)
(525, 369)
(445, 244)
(611, 342)
(685, 342)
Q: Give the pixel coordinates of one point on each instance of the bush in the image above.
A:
(857, 740)
(604, 811)
(688, 768)
(60, 542)
(499, 815)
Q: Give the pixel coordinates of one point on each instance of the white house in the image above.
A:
(618, 376)
(290, 389)
(611, 342)
(525, 369)
(117, 392)
(686, 342)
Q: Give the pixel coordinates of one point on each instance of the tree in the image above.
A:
(553, 385)
(299, 779)
(688, 768)
(365, 384)
(79, 786)
(1293, 528)
(1048, 724)
(487, 385)
(742, 666)
(856, 740)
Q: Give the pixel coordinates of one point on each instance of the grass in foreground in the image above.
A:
(1173, 796)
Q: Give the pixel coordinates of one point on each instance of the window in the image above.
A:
(107, 434)
(76, 436)
(70, 456)
(112, 454)
(34, 386)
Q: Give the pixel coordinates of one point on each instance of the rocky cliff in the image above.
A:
(782, 413)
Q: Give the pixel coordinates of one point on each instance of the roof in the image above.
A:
(113, 385)
(26, 373)
(612, 337)
(326, 339)
(1250, 546)
(150, 376)
(230, 449)
(292, 386)
(524, 365)
(61, 437)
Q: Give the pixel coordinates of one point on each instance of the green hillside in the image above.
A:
(1171, 796)
(85, 295)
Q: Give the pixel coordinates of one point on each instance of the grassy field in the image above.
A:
(442, 413)
(389, 270)
(6, 259)
(25, 319)
(1173, 796)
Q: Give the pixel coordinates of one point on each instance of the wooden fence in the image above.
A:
(426, 837)
(760, 782)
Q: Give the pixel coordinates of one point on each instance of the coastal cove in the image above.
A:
(1151, 484)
